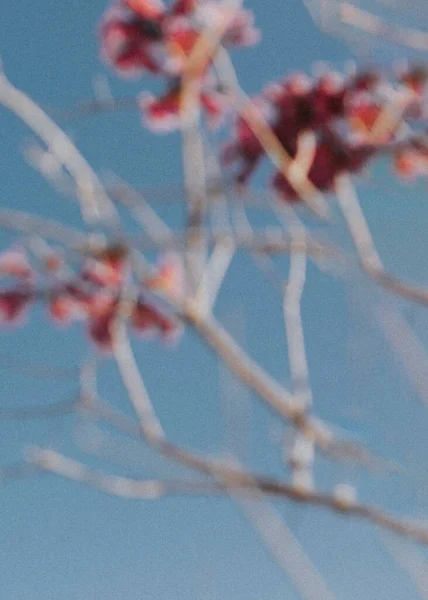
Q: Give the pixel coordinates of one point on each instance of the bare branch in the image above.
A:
(274, 395)
(293, 322)
(284, 547)
(363, 242)
(26, 223)
(95, 204)
(124, 487)
(251, 483)
(56, 409)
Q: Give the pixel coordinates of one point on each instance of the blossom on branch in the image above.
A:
(14, 263)
(14, 304)
(145, 36)
(16, 298)
(353, 119)
(96, 295)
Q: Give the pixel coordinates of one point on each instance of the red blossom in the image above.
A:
(245, 147)
(132, 44)
(330, 160)
(101, 325)
(142, 35)
(183, 7)
(13, 304)
(15, 301)
(162, 114)
(93, 296)
(106, 267)
(346, 110)
(147, 319)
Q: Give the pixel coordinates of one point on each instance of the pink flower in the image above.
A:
(65, 306)
(411, 161)
(169, 278)
(14, 263)
(106, 267)
(147, 9)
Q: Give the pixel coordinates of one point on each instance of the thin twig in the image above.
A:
(251, 483)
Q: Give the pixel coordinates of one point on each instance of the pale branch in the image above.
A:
(411, 354)
(193, 154)
(410, 561)
(370, 261)
(41, 411)
(370, 23)
(115, 485)
(23, 222)
(283, 546)
(302, 454)
(266, 241)
(89, 108)
(213, 275)
(142, 212)
(130, 428)
(250, 484)
(293, 321)
(416, 294)
(94, 201)
(134, 385)
(275, 396)
(270, 241)
(356, 222)
(286, 549)
(249, 372)
(34, 369)
(18, 470)
(219, 195)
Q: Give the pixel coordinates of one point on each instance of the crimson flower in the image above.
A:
(344, 112)
(14, 303)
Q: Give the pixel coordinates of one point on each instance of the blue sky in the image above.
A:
(60, 540)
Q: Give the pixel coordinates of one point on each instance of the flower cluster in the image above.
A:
(16, 297)
(353, 119)
(145, 36)
(95, 295)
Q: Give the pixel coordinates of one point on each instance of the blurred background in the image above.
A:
(62, 540)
